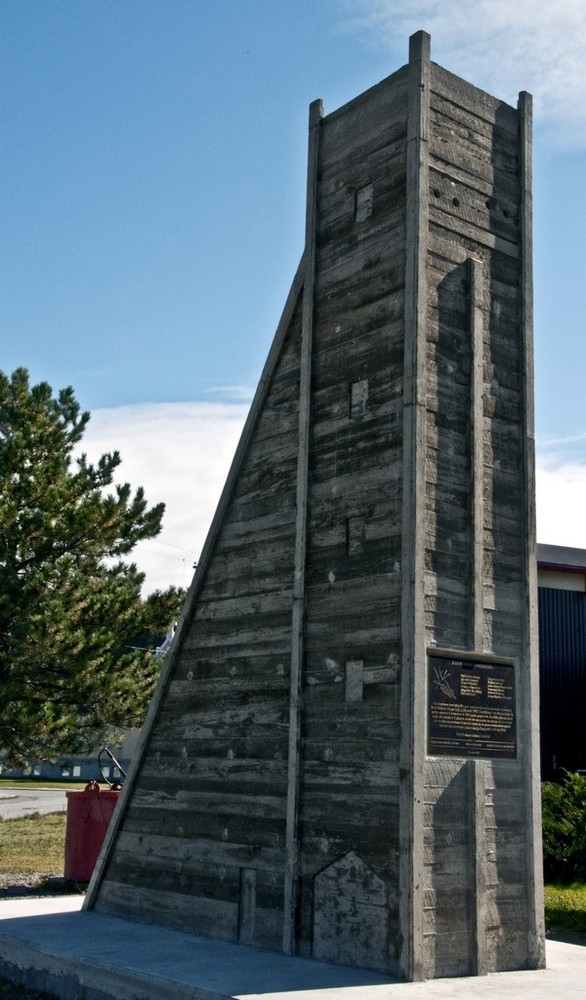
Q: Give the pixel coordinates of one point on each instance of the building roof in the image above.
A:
(561, 557)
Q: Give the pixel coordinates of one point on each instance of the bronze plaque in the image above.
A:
(471, 708)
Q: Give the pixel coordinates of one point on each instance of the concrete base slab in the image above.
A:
(50, 944)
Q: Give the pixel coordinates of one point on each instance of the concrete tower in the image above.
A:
(340, 760)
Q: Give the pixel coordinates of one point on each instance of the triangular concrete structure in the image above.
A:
(351, 696)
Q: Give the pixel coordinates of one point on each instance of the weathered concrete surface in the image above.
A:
(304, 782)
(49, 944)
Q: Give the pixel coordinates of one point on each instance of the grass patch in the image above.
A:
(36, 783)
(32, 844)
(565, 907)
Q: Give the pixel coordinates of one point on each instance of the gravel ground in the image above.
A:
(34, 884)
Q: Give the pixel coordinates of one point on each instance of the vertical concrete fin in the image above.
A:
(412, 614)
(477, 281)
(477, 772)
(530, 680)
(291, 834)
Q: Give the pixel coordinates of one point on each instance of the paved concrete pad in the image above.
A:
(49, 944)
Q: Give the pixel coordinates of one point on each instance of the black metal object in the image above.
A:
(471, 707)
(114, 785)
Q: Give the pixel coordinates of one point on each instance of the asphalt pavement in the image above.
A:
(15, 802)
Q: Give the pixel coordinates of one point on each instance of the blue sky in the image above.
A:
(153, 189)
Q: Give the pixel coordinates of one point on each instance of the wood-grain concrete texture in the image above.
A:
(380, 506)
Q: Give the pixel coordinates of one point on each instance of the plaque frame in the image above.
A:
(471, 705)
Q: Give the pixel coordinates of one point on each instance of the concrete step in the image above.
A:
(50, 944)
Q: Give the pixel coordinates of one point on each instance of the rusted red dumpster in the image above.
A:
(88, 817)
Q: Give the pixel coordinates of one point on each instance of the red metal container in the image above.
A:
(88, 817)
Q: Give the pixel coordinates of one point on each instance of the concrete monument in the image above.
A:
(340, 760)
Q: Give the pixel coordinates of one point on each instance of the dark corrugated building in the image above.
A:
(562, 655)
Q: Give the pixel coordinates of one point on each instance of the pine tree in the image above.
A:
(71, 612)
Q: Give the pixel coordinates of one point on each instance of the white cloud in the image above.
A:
(561, 497)
(231, 392)
(180, 453)
(499, 45)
